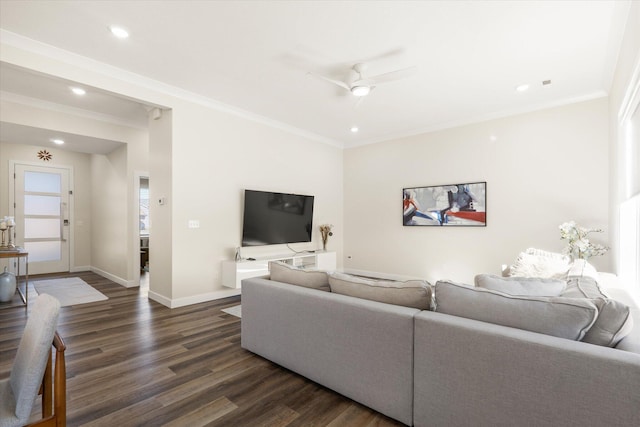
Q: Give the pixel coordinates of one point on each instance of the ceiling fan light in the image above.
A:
(119, 32)
(78, 91)
(360, 90)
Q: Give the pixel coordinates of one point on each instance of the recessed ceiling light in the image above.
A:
(522, 88)
(354, 129)
(58, 141)
(78, 91)
(119, 32)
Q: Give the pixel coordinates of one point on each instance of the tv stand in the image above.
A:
(233, 272)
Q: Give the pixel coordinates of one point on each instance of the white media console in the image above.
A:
(234, 271)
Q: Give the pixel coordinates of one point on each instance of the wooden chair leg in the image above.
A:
(45, 390)
(60, 390)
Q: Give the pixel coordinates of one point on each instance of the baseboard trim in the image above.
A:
(159, 299)
(80, 269)
(195, 299)
(119, 280)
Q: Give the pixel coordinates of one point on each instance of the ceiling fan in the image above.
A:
(362, 85)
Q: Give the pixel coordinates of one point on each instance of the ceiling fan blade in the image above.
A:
(335, 82)
(394, 75)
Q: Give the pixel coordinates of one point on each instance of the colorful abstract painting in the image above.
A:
(445, 205)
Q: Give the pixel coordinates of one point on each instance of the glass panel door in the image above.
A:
(41, 210)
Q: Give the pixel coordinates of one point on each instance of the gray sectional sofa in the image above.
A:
(427, 368)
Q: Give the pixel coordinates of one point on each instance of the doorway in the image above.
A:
(41, 202)
(144, 226)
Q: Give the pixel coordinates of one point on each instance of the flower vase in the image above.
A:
(8, 286)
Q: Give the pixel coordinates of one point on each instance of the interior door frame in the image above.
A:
(12, 199)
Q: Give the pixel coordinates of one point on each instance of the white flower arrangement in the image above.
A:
(579, 245)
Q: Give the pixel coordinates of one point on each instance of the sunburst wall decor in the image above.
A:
(44, 155)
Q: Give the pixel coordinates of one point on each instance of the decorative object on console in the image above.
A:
(7, 224)
(579, 246)
(456, 204)
(3, 229)
(8, 285)
(325, 231)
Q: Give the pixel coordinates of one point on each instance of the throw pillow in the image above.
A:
(412, 293)
(561, 317)
(542, 253)
(536, 265)
(524, 286)
(614, 320)
(285, 273)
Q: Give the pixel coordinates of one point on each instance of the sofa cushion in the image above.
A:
(285, 273)
(411, 293)
(524, 286)
(561, 317)
(539, 263)
(614, 320)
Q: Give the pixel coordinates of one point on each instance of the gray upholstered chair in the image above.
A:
(31, 370)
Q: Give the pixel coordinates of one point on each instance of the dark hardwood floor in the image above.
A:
(134, 362)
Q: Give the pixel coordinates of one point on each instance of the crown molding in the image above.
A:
(36, 47)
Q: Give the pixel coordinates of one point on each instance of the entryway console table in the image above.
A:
(19, 253)
(233, 272)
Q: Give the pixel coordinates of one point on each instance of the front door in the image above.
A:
(42, 216)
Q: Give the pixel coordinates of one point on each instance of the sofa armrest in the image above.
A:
(361, 349)
(491, 375)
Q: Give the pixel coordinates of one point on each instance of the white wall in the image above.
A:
(216, 156)
(109, 215)
(625, 164)
(543, 168)
(160, 185)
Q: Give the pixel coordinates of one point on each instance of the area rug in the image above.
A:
(234, 311)
(69, 291)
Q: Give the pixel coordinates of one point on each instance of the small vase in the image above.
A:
(8, 286)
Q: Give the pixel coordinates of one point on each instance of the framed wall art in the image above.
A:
(445, 205)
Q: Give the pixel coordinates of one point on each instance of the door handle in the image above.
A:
(63, 222)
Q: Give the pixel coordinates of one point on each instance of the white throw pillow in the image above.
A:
(538, 263)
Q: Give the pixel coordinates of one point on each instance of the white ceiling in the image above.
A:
(255, 56)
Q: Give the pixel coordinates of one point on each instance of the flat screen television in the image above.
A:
(276, 218)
